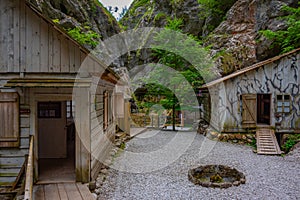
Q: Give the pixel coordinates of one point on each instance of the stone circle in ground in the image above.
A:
(216, 176)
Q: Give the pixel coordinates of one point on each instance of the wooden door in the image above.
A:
(52, 137)
(249, 110)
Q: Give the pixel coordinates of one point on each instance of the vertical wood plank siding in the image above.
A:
(29, 43)
(101, 140)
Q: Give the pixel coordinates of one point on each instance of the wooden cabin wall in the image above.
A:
(101, 140)
(12, 159)
(31, 44)
(33, 47)
(276, 78)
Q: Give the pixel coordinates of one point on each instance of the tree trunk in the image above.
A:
(173, 113)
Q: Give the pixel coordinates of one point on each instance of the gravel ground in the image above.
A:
(267, 177)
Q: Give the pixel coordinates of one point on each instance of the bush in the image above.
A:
(290, 142)
(288, 39)
(84, 36)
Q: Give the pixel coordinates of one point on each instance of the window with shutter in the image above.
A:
(9, 119)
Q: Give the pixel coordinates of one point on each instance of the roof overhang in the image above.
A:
(247, 69)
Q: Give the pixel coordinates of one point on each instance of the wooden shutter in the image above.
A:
(9, 119)
(249, 110)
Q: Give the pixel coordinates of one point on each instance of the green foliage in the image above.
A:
(159, 16)
(288, 39)
(210, 4)
(216, 10)
(85, 36)
(174, 24)
(123, 145)
(181, 59)
(290, 142)
(216, 7)
(188, 49)
(253, 143)
(137, 4)
(176, 2)
(229, 62)
(56, 21)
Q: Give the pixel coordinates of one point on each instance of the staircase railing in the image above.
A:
(29, 173)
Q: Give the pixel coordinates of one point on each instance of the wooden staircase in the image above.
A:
(10, 166)
(266, 142)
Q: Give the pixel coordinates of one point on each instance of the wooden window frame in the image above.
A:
(283, 100)
(45, 108)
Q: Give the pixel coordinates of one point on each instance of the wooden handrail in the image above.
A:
(29, 173)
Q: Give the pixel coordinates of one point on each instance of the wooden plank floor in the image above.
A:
(62, 191)
(266, 142)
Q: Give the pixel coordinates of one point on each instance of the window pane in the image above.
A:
(279, 109)
(287, 97)
(279, 103)
(279, 97)
(286, 103)
(286, 109)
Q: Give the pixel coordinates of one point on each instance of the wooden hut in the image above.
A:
(266, 94)
(42, 94)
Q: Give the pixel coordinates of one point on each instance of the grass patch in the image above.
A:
(292, 139)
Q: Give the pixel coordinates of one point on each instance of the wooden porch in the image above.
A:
(62, 191)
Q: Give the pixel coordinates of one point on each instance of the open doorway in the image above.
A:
(56, 141)
(263, 109)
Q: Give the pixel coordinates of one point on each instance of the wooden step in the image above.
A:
(120, 135)
(11, 162)
(10, 166)
(266, 142)
(7, 181)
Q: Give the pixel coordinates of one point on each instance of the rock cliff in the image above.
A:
(237, 41)
(231, 28)
(198, 19)
(73, 13)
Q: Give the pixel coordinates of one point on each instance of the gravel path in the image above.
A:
(267, 177)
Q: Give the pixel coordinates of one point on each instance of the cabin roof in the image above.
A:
(80, 46)
(247, 69)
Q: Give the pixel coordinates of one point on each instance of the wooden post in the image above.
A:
(83, 135)
(182, 119)
(173, 114)
(29, 173)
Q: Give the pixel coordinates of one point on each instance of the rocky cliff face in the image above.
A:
(74, 13)
(198, 19)
(232, 31)
(230, 27)
(237, 41)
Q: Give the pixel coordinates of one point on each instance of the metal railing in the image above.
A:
(29, 173)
